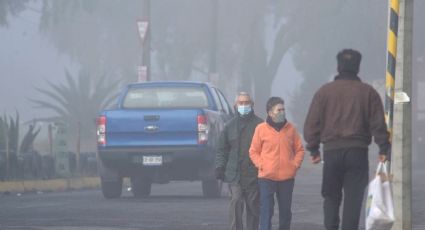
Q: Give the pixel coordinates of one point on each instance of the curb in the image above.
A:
(49, 185)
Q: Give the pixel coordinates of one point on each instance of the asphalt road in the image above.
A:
(174, 206)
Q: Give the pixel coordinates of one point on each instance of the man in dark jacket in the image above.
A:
(343, 116)
(234, 166)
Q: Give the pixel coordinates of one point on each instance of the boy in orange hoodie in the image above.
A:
(277, 151)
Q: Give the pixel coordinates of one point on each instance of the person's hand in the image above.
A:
(316, 159)
(382, 158)
(219, 173)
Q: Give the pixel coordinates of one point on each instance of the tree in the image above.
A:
(77, 103)
(9, 137)
(102, 35)
(28, 140)
(292, 23)
(99, 35)
(311, 33)
(10, 146)
(10, 7)
(349, 27)
(181, 38)
(251, 42)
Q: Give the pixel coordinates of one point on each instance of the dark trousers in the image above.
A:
(244, 197)
(283, 191)
(345, 171)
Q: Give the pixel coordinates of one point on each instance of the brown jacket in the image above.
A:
(346, 113)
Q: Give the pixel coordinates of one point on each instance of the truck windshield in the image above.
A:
(165, 97)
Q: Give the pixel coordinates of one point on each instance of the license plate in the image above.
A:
(148, 160)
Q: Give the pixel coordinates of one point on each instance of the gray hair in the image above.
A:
(242, 94)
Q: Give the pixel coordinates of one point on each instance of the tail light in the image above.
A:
(101, 130)
(202, 129)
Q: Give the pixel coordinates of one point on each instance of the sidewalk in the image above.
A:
(308, 203)
(49, 185)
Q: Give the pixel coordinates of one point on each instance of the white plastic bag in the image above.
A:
(380, 204)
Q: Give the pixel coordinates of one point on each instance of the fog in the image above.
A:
(281, 48)
(268, 48)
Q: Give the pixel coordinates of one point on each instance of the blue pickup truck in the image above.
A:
(159, 132)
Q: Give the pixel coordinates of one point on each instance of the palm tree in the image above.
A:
(77, 102)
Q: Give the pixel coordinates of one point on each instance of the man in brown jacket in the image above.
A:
(343, 116)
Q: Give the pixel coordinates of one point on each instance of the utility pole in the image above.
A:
(78, 166)
(401, 143)
(212, 72)
(147, 43)
(6, 138)
(145, 37)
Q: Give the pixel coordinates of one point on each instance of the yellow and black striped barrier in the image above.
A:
(391, 62)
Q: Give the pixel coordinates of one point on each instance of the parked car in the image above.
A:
(161, 132)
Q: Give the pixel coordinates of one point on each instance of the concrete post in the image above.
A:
(401, 144)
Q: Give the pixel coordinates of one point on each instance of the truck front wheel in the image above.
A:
(111, 189)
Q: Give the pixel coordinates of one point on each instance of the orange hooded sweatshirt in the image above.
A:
(277, 155)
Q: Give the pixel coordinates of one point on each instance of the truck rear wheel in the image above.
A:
(111, 189)
(211, 188)
(141, 186)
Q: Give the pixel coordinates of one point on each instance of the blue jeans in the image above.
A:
(283, 191)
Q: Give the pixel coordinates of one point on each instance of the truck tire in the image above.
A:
(211, 188)
(141, 186)
(111, 189)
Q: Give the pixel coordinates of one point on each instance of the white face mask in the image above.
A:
(244, 109)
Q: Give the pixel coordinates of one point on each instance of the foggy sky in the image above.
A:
(27, 59)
